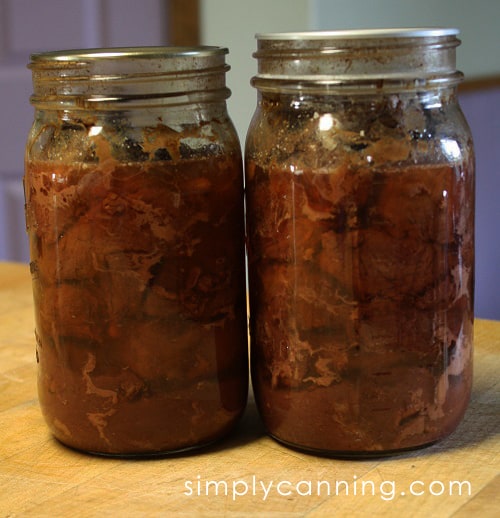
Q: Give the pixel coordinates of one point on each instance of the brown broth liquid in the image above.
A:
(139, 285)
(361, 306)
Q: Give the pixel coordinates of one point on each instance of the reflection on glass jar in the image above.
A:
(134, 209)
(360, 221)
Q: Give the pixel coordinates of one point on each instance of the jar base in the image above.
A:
(143, 455)
(352, 455)
(205, 444)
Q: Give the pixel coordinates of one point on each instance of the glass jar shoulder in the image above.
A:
(154, 135)
(366, 130)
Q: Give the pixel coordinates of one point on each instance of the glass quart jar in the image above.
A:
(360, 220)
(134, 210)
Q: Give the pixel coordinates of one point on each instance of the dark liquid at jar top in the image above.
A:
(139, 282)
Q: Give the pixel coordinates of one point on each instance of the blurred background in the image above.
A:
(27, 26)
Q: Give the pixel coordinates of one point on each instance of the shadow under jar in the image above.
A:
(134, 210)
(360, 220)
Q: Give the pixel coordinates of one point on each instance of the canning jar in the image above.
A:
(360, 204)
(134, 211)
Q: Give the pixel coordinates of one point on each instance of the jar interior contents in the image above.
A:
(360, 265)
(139, 283)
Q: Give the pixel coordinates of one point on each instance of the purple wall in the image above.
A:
(482, 110)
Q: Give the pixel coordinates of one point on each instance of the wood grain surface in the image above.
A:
(248, 474)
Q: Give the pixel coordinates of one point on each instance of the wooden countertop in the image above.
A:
(39, 477)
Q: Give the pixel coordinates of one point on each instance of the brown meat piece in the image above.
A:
(139, 281)
(359, 288)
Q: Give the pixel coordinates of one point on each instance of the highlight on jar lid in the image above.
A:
(127, 73)
(334, 57)
(410, 32)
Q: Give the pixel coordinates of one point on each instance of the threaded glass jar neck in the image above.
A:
(128, 77)
(357, 60)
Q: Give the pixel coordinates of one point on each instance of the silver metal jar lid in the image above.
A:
(128, 74)
(415, 32)
(159, 58)
(400, 57)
